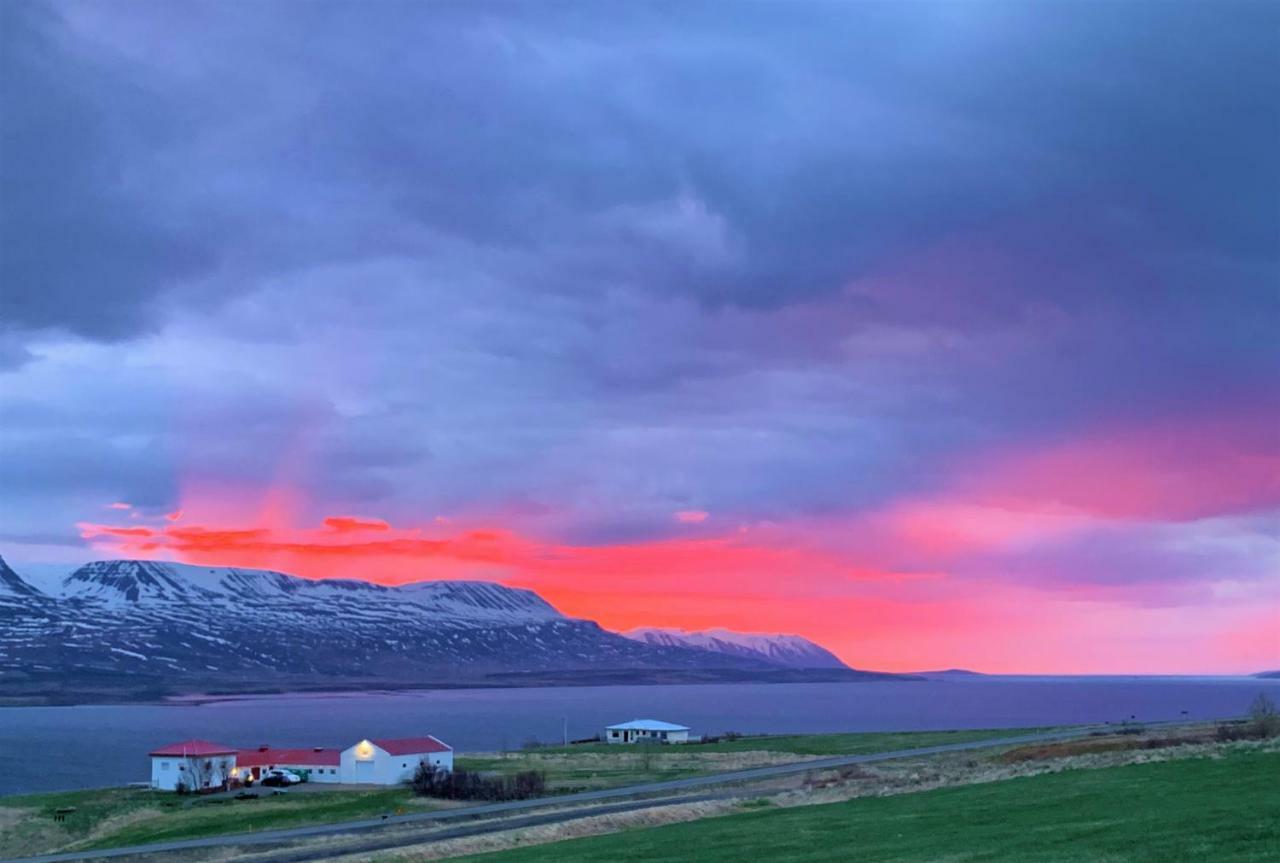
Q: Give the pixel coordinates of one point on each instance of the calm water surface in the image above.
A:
(57, 748)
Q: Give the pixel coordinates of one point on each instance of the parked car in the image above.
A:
(276, 778)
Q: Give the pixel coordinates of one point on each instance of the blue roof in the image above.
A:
(648, 725)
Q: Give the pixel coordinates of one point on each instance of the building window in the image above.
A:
(164, 765)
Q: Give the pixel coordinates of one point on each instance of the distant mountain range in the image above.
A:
(132, 629)
(789, 651)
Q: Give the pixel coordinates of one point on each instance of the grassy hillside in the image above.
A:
(1220, 809)
(107, 818)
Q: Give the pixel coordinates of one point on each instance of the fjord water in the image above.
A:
(60, 748)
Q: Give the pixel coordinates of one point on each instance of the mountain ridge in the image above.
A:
(182, 628)
(789, 651)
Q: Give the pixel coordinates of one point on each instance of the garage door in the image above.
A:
(364, 771)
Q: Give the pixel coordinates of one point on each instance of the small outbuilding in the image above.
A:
(646, 731)
(195, 765)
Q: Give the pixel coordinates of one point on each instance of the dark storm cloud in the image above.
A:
(614, 260)
(87, 243)
(813, 142)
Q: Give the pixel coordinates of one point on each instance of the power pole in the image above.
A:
(566, 730)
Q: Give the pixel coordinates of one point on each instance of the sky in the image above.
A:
(944, 334)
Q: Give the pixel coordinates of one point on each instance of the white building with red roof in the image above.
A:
(392, 761)
(199, 764)
(192, 764)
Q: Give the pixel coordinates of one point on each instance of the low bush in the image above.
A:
(461, 784)
(1264, 717)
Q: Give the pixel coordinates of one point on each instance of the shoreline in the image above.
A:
(153, 696)
(51, 693)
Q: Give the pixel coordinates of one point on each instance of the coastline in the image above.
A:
(51, 692)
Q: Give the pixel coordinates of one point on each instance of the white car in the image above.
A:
(281, 777)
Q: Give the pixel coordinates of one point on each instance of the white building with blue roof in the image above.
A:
(646, 731)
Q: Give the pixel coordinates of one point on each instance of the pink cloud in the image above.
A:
(349, 524)
(691, 516)
(1175, 469)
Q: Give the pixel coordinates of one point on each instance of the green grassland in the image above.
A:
(860, 744)
(108, 818)
(601, 765)
(1220, 809)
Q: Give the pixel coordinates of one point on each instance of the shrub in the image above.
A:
(429, 781)
(1264, 716)
(1227, 732)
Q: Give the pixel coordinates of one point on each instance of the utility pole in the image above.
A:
(566, 730)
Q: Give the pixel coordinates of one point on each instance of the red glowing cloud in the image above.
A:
(768, 580)
(348, 524)
(951, 577)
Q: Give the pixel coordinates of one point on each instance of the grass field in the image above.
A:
(114, 817)
(601, 765)
(1220, 809)
(814, 744)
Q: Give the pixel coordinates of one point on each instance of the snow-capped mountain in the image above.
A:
(791, 651)
(125, 584)
(142, 629)
(160, 619)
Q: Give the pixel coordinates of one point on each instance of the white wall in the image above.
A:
(316, 772)
(613, 735)
(167, 770)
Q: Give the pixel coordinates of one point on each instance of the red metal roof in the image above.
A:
(193, 747)
(411, 745)
(289, 757)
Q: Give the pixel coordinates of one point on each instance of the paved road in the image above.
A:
(272, 837)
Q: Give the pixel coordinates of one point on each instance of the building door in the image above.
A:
(364, 771)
